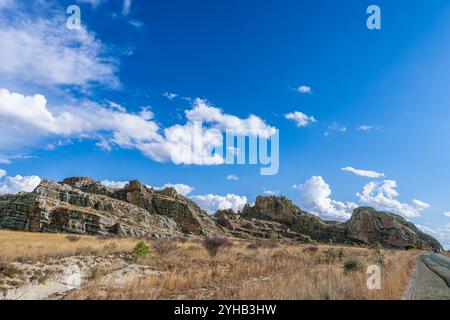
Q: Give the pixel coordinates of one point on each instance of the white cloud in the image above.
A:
(114, 184)
(126, 7)
(447, 214)
(6, 3)
(116, 106)
(205, 112)
(14, 185)
(41, 50)
(170, 95)
(25, 120)
(212, 203)
(315, 197)
(5, 161)
(366, 128)
(232, 177)
(28, 117)
(146, 113)
(364, 173)
(383, 196)
(441, 233)
(2, 173)
(267, 192)
(421, 204)
(182, 189)
(94, 3)
(304, 89)
(301, 119)
(336, 127)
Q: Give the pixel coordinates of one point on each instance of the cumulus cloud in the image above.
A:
(182, 189)
(14, 185)
(301, 119)
(232, 177)
(447, 214)
(28, 117)
(315, 196)
(114, 184)
(304, 89)
(364, 173)
(383, 196)
(211, 203)
(40, 50)
(2, 173)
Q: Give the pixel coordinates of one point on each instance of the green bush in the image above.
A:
(353, 265)
(376, 246)
(141, 250)
(410, 247)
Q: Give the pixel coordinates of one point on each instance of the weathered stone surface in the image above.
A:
(392, 231)
(84, 206)
(365, 227)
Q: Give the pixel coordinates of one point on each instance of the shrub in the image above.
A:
(273, 239)
(164, 247)
(410, 247)
(214, 244)
(312, 249)
(140, 250)
(376, 246)
(331, 255)
(311, 241)
(8, 270)
(253, 246)
(73, 238)
(353, 265)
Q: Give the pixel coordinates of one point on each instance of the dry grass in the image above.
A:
(286, 272)
(22, 246)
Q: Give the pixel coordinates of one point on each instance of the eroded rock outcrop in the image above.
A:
(392, 231)
(82, 205)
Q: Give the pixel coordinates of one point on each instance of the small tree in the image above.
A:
(376, 246)
(214, 244)
(140, 250)
(410, 247)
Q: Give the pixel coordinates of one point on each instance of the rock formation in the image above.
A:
(84, 206)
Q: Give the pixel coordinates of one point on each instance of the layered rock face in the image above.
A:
(365, 227)
(84, 206)
(81, 205)
(368, 226)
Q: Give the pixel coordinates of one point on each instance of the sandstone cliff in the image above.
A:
(84, 206)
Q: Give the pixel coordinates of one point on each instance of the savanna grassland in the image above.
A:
(118, 268)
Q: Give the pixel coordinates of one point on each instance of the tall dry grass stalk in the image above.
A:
(20, 246)
(286, 272)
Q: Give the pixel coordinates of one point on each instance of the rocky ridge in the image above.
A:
(83, 206)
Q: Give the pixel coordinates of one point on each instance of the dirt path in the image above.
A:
(429, 280)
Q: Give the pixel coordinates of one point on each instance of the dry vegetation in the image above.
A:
(185, 270)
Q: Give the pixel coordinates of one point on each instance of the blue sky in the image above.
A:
(379, 98)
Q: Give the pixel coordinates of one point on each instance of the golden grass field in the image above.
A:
(185, 271)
